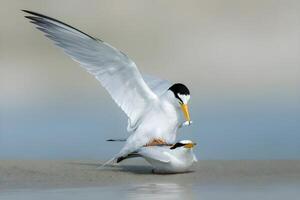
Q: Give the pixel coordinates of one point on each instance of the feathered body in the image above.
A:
(151, 104)
(165, 159)
(178, 160)
(161, 121)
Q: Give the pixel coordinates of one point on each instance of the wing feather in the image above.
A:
(157, 85)
(116, 72)
(155, 153)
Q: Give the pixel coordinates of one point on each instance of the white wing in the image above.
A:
(155, 153)
(157, 85)
(195, 158)
(116, 72)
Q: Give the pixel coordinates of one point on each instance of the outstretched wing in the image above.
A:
(157, 85)
(115, 71)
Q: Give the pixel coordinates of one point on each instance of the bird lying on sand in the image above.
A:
(153, 105)
(165, 158)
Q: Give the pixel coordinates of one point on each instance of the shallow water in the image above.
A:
(161, 191)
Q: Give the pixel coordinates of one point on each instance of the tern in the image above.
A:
(153, 105)
(167, 159)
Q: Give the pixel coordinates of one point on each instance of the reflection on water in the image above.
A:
(145, 191)
(160, 191)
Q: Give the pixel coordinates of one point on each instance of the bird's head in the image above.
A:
(187, 144)
(181, 97)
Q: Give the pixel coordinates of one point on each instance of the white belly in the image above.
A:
(176, 165)
(159, 126)
(159, 122)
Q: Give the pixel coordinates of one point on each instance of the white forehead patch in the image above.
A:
(186, 142)
(185, 98)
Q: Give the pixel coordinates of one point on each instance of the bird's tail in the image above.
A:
(111, 162)
(117, 159)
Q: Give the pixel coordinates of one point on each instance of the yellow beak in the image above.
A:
(189, 145)
(185, 110)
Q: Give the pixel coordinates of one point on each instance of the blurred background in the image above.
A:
(240, 59)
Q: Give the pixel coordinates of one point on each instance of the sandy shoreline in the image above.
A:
(16, 174)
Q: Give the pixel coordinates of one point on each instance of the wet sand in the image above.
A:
(17, 174)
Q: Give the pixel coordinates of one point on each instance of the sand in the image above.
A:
(16, 174)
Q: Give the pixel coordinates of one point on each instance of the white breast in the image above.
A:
(161, 121)
(178, 160)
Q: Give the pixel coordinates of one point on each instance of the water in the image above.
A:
(161, 191)
(65, 134)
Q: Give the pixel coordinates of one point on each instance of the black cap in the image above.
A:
(179, 88)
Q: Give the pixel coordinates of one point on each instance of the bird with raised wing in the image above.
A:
(152, 105)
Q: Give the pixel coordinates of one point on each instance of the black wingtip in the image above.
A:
(30, 17)
(27, 11)
(32, 13)
(36, 15)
